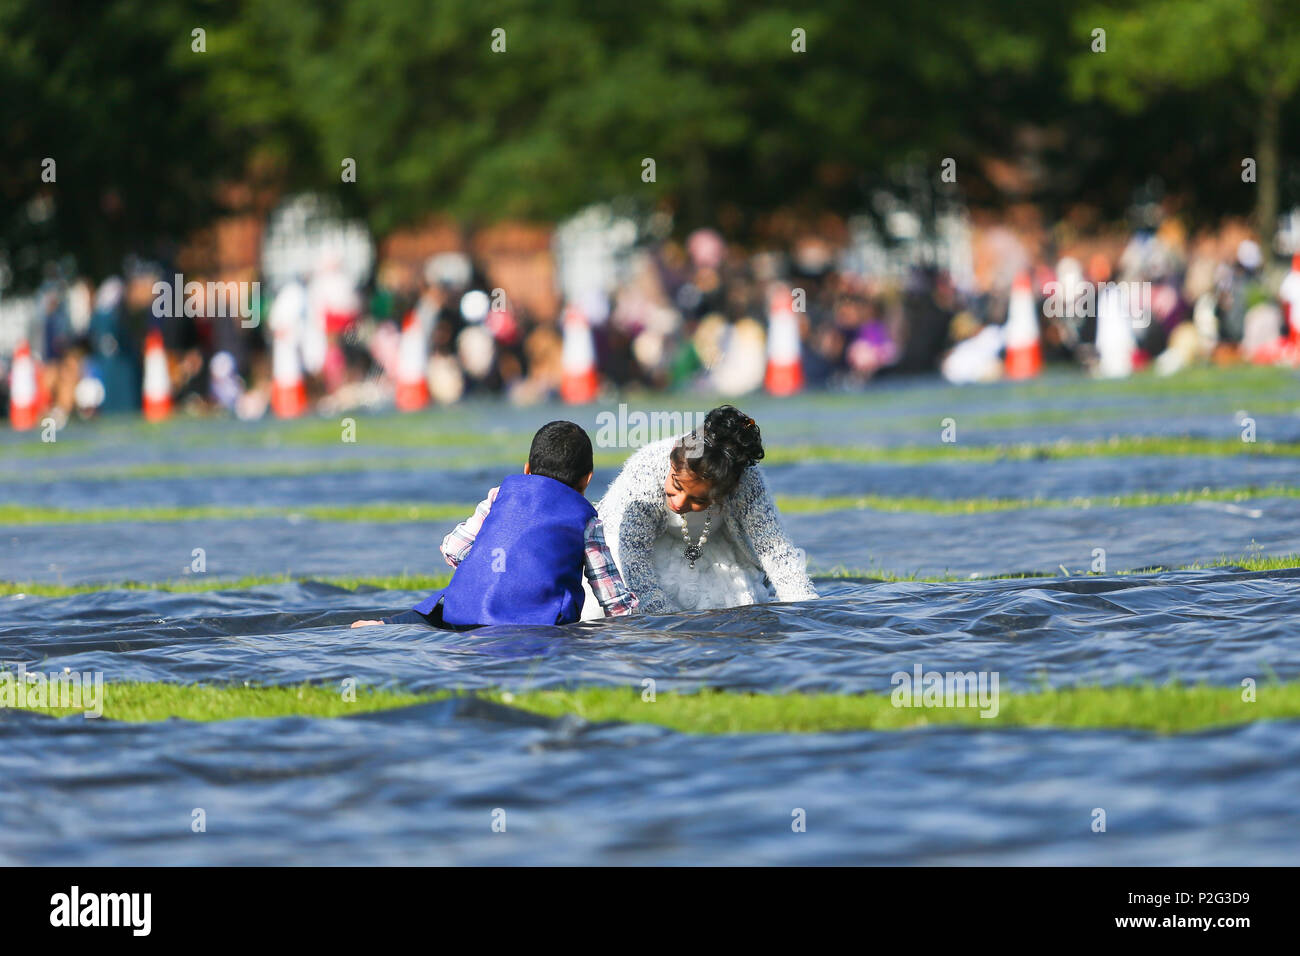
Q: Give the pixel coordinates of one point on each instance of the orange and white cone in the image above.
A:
(412, 367)
(581, 382)
(288, 393)
(157, 379)
(784, 364)
(1024, 351)
(24, 394)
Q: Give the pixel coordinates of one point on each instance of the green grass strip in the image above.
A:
(1116, 446)
(427, 433)
(941, 506)
(422, 582)
(1246, 562)
(1166, 709)
(851, 451)
(393, 512)
(384, 512)
(201, 583)
(146, 702)
(1241, 383)
(1258, 389)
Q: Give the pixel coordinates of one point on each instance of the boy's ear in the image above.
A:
(586, 481)
(527, 469)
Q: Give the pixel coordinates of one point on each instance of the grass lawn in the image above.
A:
(400, 512)
(1117, 446)
(1167, 709)
(395, 582)
(426, 582)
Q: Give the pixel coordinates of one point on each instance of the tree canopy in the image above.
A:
(490, 109)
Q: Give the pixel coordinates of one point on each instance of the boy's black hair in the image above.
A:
(561, 450)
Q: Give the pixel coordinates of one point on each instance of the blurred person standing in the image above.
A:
(114, 355)
(333, 305)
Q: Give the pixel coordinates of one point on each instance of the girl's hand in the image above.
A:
(365, 623)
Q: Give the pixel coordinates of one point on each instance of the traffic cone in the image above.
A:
(784, 366)
(24, 399)
(288, 393)
(157, 379)
(1024, 353)
(1289, 293)
(412, 367)
(580, 382)
(1115, 343)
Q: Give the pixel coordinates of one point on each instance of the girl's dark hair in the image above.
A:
(720, 450)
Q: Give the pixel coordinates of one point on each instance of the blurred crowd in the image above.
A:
(692, 314)
(1154, 297)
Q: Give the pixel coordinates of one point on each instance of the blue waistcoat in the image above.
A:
(526, 563)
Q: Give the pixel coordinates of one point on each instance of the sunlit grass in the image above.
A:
(944, 506)
(422, 582)
(1116, 446)
(382, 512)
(1246, 562)
(155, 701)
(200, 583)
(1166, 709)
(1255, 389)
(429, 432)
(397, 512)
(777, 454)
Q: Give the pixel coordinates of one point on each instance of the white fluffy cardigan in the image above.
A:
(634, 512)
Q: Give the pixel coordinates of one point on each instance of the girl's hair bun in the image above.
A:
(735, 433)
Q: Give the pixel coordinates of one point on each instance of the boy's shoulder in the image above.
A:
(544, 492)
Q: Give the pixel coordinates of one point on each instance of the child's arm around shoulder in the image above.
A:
(603, 575)
(457, 544)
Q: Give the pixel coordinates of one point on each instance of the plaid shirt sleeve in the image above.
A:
(602, 573)
(457, 544)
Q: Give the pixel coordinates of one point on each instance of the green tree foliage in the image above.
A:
(738, 122)
(114, 94)
(1247, 51)
(712, 90)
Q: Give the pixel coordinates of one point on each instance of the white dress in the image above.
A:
(724, 576)
(748, 558)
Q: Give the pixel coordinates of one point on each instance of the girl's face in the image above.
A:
(685, 491)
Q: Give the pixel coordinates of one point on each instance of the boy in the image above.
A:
(517, 559)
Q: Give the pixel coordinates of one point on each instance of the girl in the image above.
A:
(691, 523)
